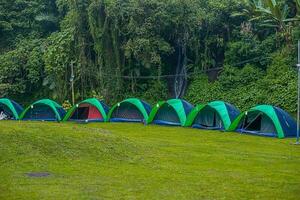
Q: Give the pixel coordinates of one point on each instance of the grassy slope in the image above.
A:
(132, 161)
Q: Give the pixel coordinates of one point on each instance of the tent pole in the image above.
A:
(298, 99)
(244, 120)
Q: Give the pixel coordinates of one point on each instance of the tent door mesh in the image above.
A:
(168, 114)
(40, 112)
(5, 112)
(127, 111)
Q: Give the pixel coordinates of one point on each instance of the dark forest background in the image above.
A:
(243, 52)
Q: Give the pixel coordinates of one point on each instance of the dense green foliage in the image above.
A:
(250, 85)
(123, 48)
(259, 60)
(133, 161)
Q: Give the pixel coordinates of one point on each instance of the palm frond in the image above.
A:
(295, 19)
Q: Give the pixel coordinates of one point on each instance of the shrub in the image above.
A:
(250, 49)
(203, 91)
(249, 86)
(157, 91)
(280, 83)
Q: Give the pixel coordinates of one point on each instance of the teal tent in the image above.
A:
(265, 120)
(216, 115)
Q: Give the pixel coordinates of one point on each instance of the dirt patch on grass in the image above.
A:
(92, 130)
(38, 174)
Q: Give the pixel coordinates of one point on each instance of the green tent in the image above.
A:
(172, 112)
(10, 109)
(216, 115)
(43, 110)
(91, 110)
(265, 120)
(129, 110)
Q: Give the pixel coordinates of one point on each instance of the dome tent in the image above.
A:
(43, 110)
(216, 115)
(10, 109)
(265, 120)
(91, 110)
(172, 112)
(130, 110)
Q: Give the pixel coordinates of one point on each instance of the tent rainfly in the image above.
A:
(9, 109)
(89, 110)
(43, 110)
(265, 120)
(130, 110)
(216, 115)
(172, 112)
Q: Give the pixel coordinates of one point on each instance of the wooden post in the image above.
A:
(72, 83)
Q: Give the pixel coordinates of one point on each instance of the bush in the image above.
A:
(280, 83)
(249, 86)
(232, 77)
(250, 49)
(156, 91)
(202, 91)
(67, 105)
(21, 70)
(236, 86)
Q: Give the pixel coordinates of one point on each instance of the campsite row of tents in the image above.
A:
(264, 120)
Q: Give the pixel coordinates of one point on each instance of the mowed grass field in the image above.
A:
(133, 161)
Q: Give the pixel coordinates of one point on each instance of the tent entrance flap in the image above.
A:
(127, 112)
(166, 115)
(258, 123)
(86, 112)
(5, 112)
(208, 118)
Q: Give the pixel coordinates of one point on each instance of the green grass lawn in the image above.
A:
(133, 161)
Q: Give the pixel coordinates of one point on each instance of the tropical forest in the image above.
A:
(239, 51)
